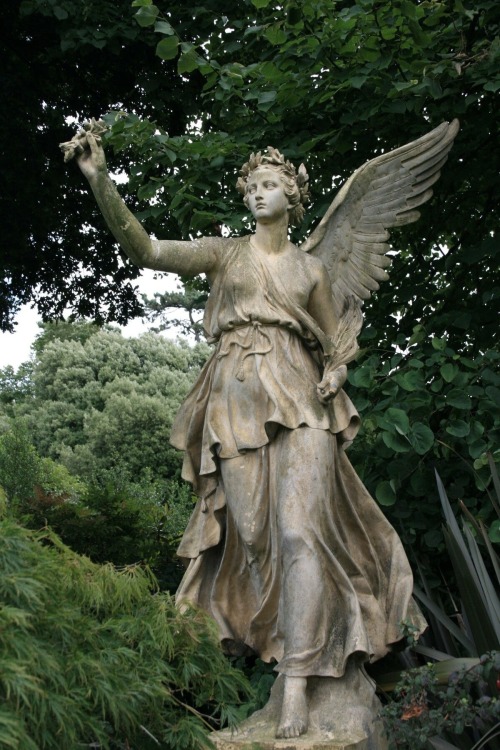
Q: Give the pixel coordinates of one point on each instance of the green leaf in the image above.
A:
(167, 48)
(438, 344)
(409, 381)
(267, 96)
(163, 27)
(398, 419)
(421, 438)
(458, 399)
(477, 448)
(443, 618)
(141, 3)
(385, 494)
(396, 442)
(494, 531)
(448, 372)
(188, 62)
(357, 81)
(493, 393)
(492, 86)
(458, 428)
(276, 35)
(409, 9)
(60, 13)
(361, 377)
(146, 15)
(260, 3)
(433, 538)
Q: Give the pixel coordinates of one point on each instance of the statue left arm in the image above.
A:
(321, 308)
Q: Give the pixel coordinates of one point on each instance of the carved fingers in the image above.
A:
(86, 148)
(331, 384)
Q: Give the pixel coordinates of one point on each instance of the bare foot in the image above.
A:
(294, 713)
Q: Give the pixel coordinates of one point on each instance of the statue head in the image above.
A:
(295, 183)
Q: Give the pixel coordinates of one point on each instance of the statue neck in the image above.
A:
(271, 238)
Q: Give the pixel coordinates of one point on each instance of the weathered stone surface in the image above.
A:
(343, 715)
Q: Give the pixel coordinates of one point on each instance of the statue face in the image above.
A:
(266, 196)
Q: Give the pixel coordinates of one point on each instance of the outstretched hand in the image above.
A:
(87, 149)
(331, 384)
(91, 159)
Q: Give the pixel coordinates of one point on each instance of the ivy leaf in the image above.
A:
(421, 438)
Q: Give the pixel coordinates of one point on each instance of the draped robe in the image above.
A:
(285, 548)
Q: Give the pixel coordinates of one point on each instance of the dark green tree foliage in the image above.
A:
(91, 658)
(331, 83)
(161, 308)
(431, 407)
(19, 464)
(111, 520)
(85, 444)
(334, 85)
(63, 58)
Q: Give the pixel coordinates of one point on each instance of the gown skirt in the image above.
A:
(285, 549)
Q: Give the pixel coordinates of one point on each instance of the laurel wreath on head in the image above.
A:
(275, 159)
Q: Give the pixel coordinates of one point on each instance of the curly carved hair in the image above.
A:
(295, 183)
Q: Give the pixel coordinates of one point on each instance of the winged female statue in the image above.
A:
(286, 549)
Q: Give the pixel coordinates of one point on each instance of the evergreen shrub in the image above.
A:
(94, 656)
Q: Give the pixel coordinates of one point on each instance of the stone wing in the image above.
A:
(352, 238)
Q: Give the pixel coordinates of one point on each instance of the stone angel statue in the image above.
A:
(286, 549)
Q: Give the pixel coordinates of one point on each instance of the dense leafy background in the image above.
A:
(330, 83)
(189, 92)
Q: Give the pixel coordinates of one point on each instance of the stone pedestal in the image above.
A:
(342, 716)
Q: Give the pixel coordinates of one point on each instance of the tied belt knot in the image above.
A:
(249, 349)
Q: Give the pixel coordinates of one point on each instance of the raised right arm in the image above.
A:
(187, 258)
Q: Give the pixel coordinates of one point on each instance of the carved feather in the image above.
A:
(351, 239)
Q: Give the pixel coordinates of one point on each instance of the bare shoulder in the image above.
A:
(313, 267)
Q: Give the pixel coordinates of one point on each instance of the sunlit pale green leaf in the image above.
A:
(146, 15)
(168, 48)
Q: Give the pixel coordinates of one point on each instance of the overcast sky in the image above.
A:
(15, 347)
